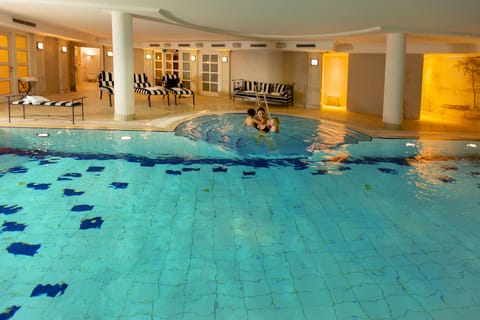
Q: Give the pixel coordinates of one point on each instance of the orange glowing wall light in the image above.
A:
(334, 79)
(447, 86)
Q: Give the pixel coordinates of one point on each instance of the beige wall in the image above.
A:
(225, 74)
(312, 100)
(51, 66)
(263, 66)
(46, 68)
(413, 86)
(366, 84)
(107, 62)
(139, 61)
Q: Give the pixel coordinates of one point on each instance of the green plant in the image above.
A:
(471, 69)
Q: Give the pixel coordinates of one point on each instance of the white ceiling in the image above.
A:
(345, 21)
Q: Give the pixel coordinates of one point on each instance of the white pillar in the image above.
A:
(393, 94)
(122, 39)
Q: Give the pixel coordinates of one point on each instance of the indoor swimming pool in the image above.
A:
(219, 221)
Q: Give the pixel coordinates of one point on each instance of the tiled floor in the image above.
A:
(163, 117)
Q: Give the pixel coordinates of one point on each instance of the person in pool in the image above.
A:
(265, 124)
(274, 124)
(262, 120)
(250, 119)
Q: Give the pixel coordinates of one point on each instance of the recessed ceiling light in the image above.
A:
(126, 138)
(41, 134)
(471, 145)
(410, 144)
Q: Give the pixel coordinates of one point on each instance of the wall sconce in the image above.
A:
(39, 45)
(193, 58)
(314, 62)
(148, 56)
(63, 49)
(225, 59)
(109, 53)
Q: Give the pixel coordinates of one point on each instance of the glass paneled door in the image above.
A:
(13, 62)
(5, 66)
(210, 74)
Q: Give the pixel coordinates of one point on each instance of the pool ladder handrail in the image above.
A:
(258, 92)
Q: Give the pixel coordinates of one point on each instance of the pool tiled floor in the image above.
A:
(381, 240)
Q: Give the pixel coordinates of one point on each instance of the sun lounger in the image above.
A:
(105, 84)
(173, 84)
(37, 101)
(142, 86)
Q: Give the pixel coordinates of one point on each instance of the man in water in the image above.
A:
(250, 119)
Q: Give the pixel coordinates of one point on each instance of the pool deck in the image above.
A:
(161, 117)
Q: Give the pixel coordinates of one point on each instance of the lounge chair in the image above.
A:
(105, 84)
(44, 102)
(142, 86)
(173, 84)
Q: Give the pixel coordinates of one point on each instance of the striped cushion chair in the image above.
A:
(38, 101)
(262, 87)
(281, 93)
(142, 86)
(105, 84)
(173, 84)
(249, 86)
(279, 88)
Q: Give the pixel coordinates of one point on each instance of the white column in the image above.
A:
(393, 94)
(122, 40)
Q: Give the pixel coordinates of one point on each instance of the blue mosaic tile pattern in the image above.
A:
(343, 235)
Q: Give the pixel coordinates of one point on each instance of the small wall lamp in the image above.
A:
(39, 45)
(109, 53)
(193, 58)
(314, 62)
(148, 56)
(63, 49)
(225, 59)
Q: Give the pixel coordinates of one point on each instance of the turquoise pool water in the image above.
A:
(217, 222)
